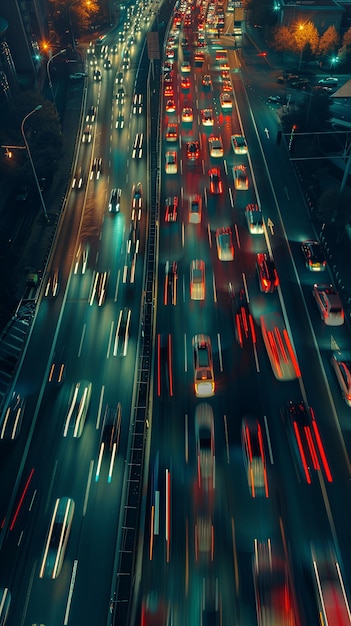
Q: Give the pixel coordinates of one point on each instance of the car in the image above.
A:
(53, 284)
(226, 101)
(119, 78)
(195, 209)
(197, 280)
(241, 181)
(78, 408)
(216, 185)
(341, 363)
(120, 120)
(267, 274)
(254, 219)
(224, 241)
(137, 149)
(109, 440)
(78, 179)
(170, 106)
(171, 162)
(254, 456)
(87, 134)
(199, 59)
(242, 318)
(57, 538)
(122, 332)
(82, 256)
(11, 421)
(96, 168)
(155, 611)
(205, 444)
(170, 53)
(279, 347)
(215, 146)
(168, 78)
(115, 200)
(90, 117)
(5, 601)
(171, 210)
(171, 278)
(187, 114)
(225, 74)
(207, 117)
(206, 80)
(306, 439)
(125, 64)
(329, 81)
(313, 255)
(168, 91)
(276, 99)
(204, 538)
(204, 383)
(137, 198)
(107, 63)
(78, 76)
(274, 602)
(185, 67)
(192, 150)
(120, 95)
(227, 85)
(97, 75)
(329, 304)
(239, 144)
(56, 373)
(300, 83)
(185, 82)
(331, 597)
(172, 132)
(99, 288)
(167, 66)
(137, 103)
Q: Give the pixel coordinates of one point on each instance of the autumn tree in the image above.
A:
(344, 53)
(282, 40)
(76, 16)
(328, 43)
(306, 41)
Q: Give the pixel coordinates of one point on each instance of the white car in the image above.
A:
(207, 117)
(185, 67)
(341, 363)
(226, 101)
(204, 383)
(197, 280)
(254, 219)
(195, 209)
(224, 241)
(241, 181)
(171, 162)
(239, 144)
(57, 538)
(187, 114)
(329, 304)
(216, 146)
(87, 134)
(205, 443)
(329, 80)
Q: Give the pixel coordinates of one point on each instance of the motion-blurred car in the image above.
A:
(53, 284)
(107, 64)
(329, 304)
(114, 203)
(267, 274)
(185, 67)
(195, 209)
(57, 538)
(227, 85)
(171, 209)
(185, 82)
(204, 383)
(239, 144)
(206, 80)
(279, 347)
(241, 181)
(96, 169)
(87, 134)
(168, 91)
(120, 347)
(119, 78)
(82, 255)
(243, 320)
(187, 114)
(313, 255)
(171, 166)
(109, 440)
(78, 179)
(171, 278)
(172, 132)
(207, 117)
(224, 241)
(120, 95)
(11, 421)
(332, 605)
(97, 75)
(78, 409)
(120, 120)
(192, 150)
(205, 444)
(197, 280)
(254, 219)
(226, 101)
(341, 363)
(5, 601)
(170, 106)
(137, 198)
(90, 117)
(216, 185)
(254, 456)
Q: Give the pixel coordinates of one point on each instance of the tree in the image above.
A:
(282, 40)
(328, 42)
(306, 41)
(72, 15)
(344, 53)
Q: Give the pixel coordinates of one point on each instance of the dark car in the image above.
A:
(267, 274)
(313, 255)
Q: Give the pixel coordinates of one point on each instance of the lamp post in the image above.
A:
(37, 108)
(333, 62)
(301, 27)
(49, 76)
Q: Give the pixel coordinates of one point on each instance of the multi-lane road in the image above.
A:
(203, 511)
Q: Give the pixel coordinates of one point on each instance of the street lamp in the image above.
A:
(301, 27)
(333, 62)
(37, 108)
(49, 76)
